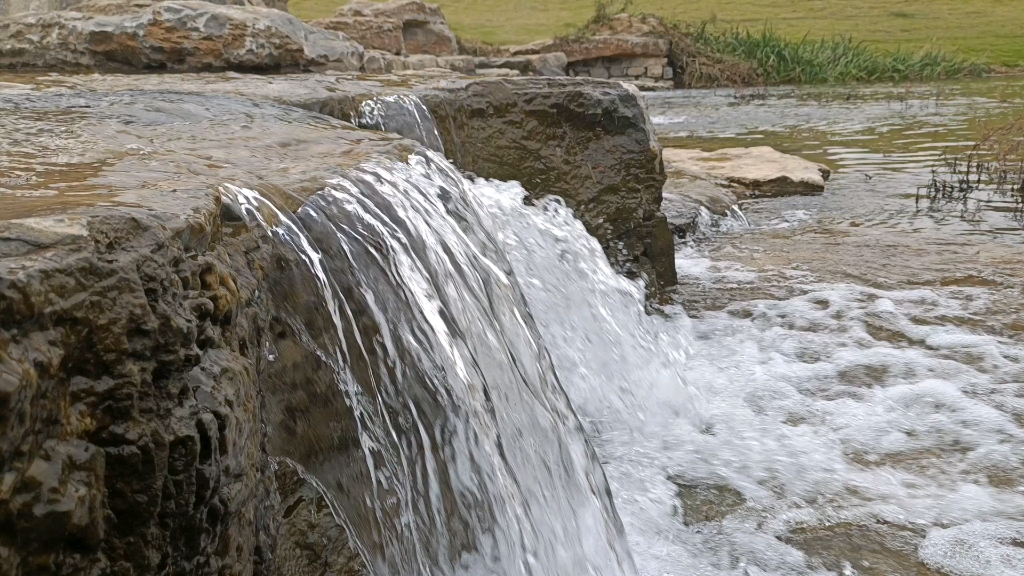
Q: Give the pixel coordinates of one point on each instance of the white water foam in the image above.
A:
(844, 405)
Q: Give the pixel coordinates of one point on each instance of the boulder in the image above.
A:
(751, 172)
(382, 34)
(183, 35)
(588, 141)
(424, 27)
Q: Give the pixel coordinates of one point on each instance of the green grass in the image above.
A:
(781, 60)
(990, 31)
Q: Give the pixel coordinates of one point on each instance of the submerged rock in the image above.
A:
(706, 502)
(178, 35)
(683, 197)
(875, 549)
(751, 172)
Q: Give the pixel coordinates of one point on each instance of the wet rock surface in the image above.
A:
(589, 142)
(607, 166)
(132, 322)
(310, 541)
(182, 36)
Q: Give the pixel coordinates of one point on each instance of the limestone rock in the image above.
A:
(424, 27)
(176, 35)
(870, 549)
(132, 320)
(589, 142)
(752, 172)
(549, 64)
(384, 34)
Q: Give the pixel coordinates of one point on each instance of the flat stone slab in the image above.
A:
(752, 172)
(614, 46)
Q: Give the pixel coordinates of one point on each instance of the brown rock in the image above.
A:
(615, 47)
(428, 38)
(185, 35)
(424, 27)
(382, 34)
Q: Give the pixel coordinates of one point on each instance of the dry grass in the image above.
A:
(989, 30)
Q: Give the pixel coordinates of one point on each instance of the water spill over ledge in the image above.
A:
(475, 460)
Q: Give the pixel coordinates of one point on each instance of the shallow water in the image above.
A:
(840, 388)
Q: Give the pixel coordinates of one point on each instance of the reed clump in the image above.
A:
(995, 163)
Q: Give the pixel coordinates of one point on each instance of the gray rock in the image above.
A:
(460, 64)
(871, 549)
(185, 35)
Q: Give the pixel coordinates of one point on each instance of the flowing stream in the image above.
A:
(838, 387)
(838, 390)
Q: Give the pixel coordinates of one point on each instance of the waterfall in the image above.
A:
(467, 457)
(403, 114)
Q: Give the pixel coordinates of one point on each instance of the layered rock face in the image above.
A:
(133, 314)
(185, 35)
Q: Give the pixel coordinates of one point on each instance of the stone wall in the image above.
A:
(645, 72)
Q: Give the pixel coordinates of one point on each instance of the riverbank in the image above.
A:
(987, 30)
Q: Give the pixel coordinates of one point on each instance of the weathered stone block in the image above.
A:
(668, 73)
(382, 34)
(599, 72)
(635, 71)
(429, 38)
(421, 61)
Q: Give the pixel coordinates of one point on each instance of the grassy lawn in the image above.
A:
(988, 30)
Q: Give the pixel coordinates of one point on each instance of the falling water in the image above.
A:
(476, 462)
(403, 114)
